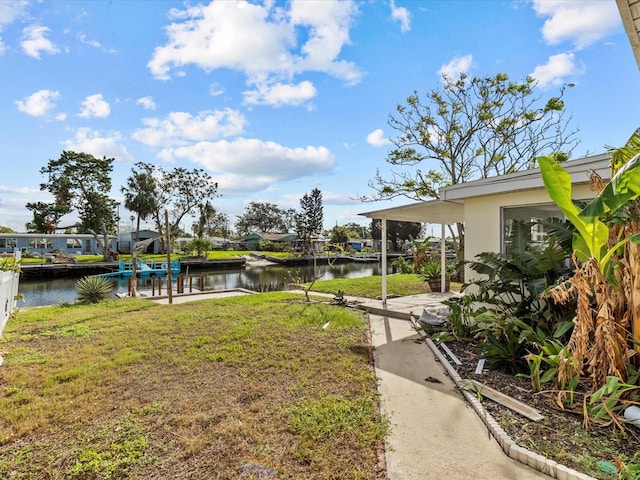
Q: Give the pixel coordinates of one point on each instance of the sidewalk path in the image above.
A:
(434, 433)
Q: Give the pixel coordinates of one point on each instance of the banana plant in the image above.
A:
(599, 341)
(592, 236)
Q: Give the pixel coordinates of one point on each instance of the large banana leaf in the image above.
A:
(592, 234)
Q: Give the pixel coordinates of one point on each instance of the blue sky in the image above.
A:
(276, 98)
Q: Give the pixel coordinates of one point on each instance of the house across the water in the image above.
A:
(126, 240)
(252, 241)
(42, 243)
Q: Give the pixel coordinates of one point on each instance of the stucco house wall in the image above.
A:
(483, 217)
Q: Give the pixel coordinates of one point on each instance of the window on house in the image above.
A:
(8, 242)
(40, 243)
(74, 243)
(528, 217)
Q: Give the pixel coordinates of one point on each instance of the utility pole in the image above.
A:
(166, 221)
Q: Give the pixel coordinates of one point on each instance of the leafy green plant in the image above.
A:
(459, 316)
(338, 299)
(200, 246)
(93, 289)
(9, 264)
(606, 403)
(430, 270)
(402, 265)
(592, 234)
(554, 363)
(500, 342)
(605, 247)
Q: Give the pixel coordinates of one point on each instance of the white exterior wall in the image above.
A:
(8, 291)
(482, 218)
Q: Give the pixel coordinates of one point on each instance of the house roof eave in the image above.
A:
(430, 211)
(527, 179)
(630, 14)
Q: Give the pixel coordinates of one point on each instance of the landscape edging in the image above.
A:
(509, 447)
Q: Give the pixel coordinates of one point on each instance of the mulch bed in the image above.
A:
(561, 435)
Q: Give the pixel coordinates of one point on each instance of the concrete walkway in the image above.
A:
(434, 432)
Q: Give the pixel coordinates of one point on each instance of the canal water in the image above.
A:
(37, 292)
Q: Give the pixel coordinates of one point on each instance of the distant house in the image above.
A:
(126, 240)
(41, 243)
(252, 240)
(217, 243)
(359, 244)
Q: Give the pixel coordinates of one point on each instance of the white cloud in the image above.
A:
(326, 25)
(556, 70)
(251, 164)
(38, 104)
(215, 90)
(9, 12)
(280, 94)
(92, 43)
(21, 190)
(34, 41)
(180, 128)
(217, 36)
(401, 14)
(579, 22)
(95, 106)
(377, 138)
(333, 198)
(99, 145)
(147, 103)
(456, 67)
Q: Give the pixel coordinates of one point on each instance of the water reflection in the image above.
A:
(259, 279)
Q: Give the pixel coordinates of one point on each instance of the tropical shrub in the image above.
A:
(606, 255)
(402, 265)
(9, 264)
(93, 289)
(505, 310)
(200, 246)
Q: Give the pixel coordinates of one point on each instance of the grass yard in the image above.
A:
(371, 287)
(245, 387)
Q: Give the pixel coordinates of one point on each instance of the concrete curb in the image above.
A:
(509, 447)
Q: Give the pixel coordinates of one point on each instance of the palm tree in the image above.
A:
(140, 195)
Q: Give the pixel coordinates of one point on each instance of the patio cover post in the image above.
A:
(443, 259)
(383, 231)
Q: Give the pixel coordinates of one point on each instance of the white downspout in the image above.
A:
(384, 262)
(443, 260)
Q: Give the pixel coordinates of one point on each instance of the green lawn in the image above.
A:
(258, 386)
(371, 287)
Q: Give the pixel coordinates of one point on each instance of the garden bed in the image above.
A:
(560, 436)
